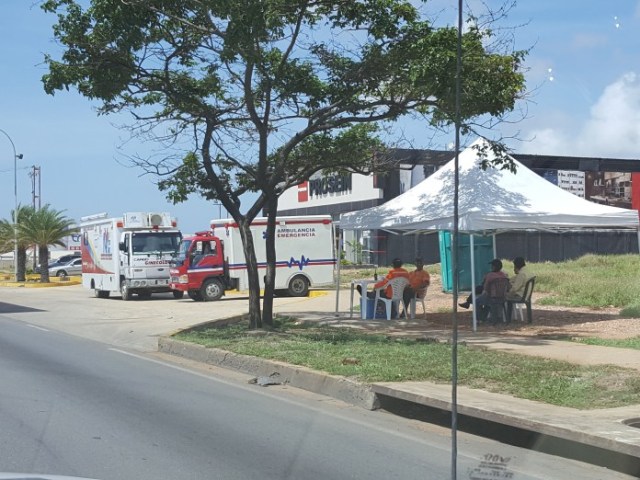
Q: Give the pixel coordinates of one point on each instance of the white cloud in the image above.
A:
(612, 129)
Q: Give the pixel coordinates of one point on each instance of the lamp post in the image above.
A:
(16, 156)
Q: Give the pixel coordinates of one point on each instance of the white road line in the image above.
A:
(38, 328)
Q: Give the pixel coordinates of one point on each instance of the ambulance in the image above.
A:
(212, 262)
(128, 255)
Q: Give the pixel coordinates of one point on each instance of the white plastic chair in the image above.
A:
(398, 285)
(420, 296)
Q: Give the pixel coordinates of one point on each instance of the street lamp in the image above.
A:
(16, 156)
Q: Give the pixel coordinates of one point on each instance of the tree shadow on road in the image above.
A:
(6, 308)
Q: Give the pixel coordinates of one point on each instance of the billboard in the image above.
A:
(606, 188)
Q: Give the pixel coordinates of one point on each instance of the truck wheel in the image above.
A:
(195, 295)
(125, 292)
(299, 286)
(101, 293)
(178, 294)
(211, 290)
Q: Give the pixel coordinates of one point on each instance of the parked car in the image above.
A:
(63, 260)
(74, 267)
(68, 258)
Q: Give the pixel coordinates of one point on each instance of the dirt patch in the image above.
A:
(548, 321)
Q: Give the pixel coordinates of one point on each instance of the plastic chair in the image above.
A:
(420, 296)
(398, 285)
(497, 291)
(524, 300)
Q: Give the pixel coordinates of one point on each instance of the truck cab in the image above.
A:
(199, 268)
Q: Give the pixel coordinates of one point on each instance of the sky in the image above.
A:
(583, 98)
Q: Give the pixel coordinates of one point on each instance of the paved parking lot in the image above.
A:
(134, 324)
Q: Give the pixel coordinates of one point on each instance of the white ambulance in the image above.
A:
(129, 254)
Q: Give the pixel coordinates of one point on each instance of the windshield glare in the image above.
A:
(155, 242)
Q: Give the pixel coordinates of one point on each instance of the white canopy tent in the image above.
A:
(489, 201)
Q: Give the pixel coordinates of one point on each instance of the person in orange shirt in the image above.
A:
(396, 271)
(419, 279)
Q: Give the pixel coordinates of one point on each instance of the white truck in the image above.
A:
(129, 254)
(211, 262)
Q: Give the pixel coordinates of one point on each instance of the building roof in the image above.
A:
(557, 162)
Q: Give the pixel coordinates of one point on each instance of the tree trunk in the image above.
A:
(255, 320)
(270, 276)
(43, 253)
(22, 264)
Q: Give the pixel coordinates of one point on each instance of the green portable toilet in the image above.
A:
(483, 254)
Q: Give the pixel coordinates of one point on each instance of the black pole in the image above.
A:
(454, 260)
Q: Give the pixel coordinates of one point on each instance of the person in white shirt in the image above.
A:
(518, 282)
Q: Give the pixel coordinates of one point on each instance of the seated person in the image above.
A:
(482, 293)
(396, 271)
(518, 282)
(419, 279)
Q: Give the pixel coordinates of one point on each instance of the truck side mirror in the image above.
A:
(123, 247)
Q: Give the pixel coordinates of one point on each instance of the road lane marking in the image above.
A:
(38, 328)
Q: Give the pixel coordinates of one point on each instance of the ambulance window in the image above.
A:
(209, 248)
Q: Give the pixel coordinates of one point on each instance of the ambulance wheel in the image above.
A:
(299, 286)
(125, 292)
(178, 294)
(101, 293)
(211, 290)
(195, 295)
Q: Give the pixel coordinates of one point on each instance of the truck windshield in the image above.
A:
(156, 242)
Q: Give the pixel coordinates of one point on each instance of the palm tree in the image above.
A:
(6, 236)
(45, 227)
(7, 239)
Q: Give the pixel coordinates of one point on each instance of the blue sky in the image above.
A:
(583, 77)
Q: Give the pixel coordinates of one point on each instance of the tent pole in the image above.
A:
(473, 280)
(339, 261)
(495, 249)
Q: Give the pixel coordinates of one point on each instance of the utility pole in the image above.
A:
(36, 185)
(36, 196)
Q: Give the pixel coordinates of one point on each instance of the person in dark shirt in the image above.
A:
(482, 295)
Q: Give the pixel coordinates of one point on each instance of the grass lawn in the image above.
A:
(372, 358)
(595, 281)
(633, 343)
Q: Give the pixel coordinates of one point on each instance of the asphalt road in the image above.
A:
(74, 406)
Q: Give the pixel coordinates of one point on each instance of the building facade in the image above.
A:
(608, 181)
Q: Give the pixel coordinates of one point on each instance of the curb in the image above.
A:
(337, 387)
(67, 283)
(598, 434)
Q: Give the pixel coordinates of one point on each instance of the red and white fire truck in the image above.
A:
(212, 262)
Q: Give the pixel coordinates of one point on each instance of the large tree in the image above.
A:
(45, 227)
(265, 93)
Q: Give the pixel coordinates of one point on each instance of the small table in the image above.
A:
(363, 282)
